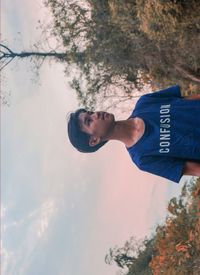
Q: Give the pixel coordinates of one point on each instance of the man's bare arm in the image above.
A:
(193, 93)
(197, 97)
(192, 168)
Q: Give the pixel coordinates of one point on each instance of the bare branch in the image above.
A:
(2, 57)
(3, 46)
(188, 73)
(7, 63)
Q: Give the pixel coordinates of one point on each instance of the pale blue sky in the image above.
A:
(62, 210)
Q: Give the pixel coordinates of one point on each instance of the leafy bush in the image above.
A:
(177, 241)
(175, 246)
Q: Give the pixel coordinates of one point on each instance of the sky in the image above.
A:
(61, 210)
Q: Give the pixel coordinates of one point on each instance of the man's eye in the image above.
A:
(89, 121)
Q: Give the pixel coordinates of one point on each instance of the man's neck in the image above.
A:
(124, 131)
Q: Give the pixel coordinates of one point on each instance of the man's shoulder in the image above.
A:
(141, 101)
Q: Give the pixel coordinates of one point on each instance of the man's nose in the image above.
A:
(96, 115)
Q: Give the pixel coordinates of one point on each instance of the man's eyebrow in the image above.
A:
(85, 119)
(82, 122)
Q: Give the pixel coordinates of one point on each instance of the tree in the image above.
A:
(105, 49)
(119, 256)
(134, 255)
(97, 82)
(177, 248)
(140, 265)
(108, 55)
(105, 64)
(115, 48)
(7, 55)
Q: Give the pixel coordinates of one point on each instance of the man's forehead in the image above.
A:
(81, 117)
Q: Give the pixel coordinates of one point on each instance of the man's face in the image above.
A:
(97, 124)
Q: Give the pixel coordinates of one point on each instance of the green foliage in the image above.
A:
(174, 27)
(175, 247)
(126, 255)
(135, 255)
(141, 42)
(160, 19)
(141, 264)
(98, 47)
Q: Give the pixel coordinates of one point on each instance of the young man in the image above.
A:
(162, 135)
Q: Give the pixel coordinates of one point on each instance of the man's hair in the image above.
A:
(78, 138)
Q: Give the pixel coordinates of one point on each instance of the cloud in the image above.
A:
(3, 211)
(34, 228)
(47, 211)
(6, 257)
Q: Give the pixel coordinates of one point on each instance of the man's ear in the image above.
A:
(94, 140)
